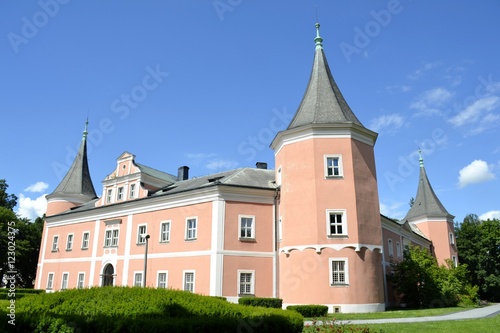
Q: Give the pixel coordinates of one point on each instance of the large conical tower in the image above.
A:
(330, 230)
(76, 188)
(430, 216)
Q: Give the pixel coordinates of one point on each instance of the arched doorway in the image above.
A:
(107, 275)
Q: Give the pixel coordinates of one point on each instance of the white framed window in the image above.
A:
(452, 238)
(398, 249)
(64, 281)
(280, 229)
(55, 243)
(278, 176)
(111, 238)
(339, 271)
(132, 191)
(138, 279)
(162, 280)
(454, 259)
(191, 228)
(333, 166)
(141, 233)
(109, 195)
(119, 193)
(246, 282)
(165, 232)
(188, 281)
(81, 280)
(50, 281)
(246, 226)
(85, 240)
(69, 242)
(390, 248)
(336, 223)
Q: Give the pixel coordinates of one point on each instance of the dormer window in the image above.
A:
(108, 196)
(132, 191)
(119, 195)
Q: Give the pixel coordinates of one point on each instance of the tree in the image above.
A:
(8, 201)
(478, 244)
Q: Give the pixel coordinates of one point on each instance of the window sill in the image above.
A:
(246, 295)
(247, 239)
(53, 251)
(69, 250)
(337, 236)
(190, 239)
(111, 247)
(165, 242)
(84, 248)
(339, 285)
(334, 177)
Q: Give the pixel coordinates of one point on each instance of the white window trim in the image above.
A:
(78, 280)
(118, 193)
(195, 229)
(141, 240)
(252, 238)
(142, 279)
(280, 229)
(346, 268)
(252, 282)
(184, 279)
(109, 195)
(68, 247)
(50, 278)
(133, 191)
(62, 280)
(454, 260)
(398, 250)
(111, 230)
(451, 237)
(390, 247)
(325, 164)
(169, 230)
(88, 240)
(158, 279)
(56, 243)
(344, 223)
(279, 175)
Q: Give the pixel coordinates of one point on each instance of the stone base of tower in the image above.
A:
(345, 280)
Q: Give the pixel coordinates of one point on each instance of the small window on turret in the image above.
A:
(333, 166)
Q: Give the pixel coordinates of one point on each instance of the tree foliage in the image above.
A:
(422, 283)
(478, 244)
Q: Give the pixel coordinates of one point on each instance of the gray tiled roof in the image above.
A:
(323, 102)
(426, 202)
(156, 173)
(77, 181)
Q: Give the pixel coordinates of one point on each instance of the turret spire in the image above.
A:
(85, 132)
(318, 40)
(421, 160)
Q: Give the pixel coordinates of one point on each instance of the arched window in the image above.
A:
(107, 275)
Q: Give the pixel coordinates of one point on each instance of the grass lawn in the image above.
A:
(399, 313)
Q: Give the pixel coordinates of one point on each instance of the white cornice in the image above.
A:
(318, 247)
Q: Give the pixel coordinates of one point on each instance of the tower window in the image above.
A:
(336, 223)
(339, 272)
(333, 166)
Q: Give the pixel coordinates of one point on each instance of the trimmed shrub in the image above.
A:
(125, 309)
(266, 302)
(19, 293)
(310, 310)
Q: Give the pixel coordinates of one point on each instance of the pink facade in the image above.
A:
(309, 232)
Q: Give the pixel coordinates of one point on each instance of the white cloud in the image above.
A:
(492, 214)
(420, 71)
(395, 210)
(473, 112)
(31, 208)
(390, 122)
(38, 187)
(398, 88)
(430, 101)
(221, 165)
(477, 172)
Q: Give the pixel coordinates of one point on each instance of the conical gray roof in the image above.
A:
(323, 102)
(77, 182)
(426, 202)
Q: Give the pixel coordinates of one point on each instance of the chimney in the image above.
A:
(183, 173)
(261, 165)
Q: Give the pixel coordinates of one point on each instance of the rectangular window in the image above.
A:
(64, 283)
(246, 282)
(337, 223)
(333, 166)
(398, 249)
(85, 240)
(119, 195)
(50, 281)
(141, 234)
(189, 281)
(338, 271)
(454, 259)
(165, 232)
(69, 242)
(452, 238)
(191, 228)
(109, 196)
(111, 238)
(114, 240)
(55, 243)
(247, 227)
(162, 279)
(390, 248)
(132, 191)
(138, 280)
(81, 280)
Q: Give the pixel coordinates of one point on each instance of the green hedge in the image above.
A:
(123, 309)
(266, 302)
(19, 293)
(310, 310)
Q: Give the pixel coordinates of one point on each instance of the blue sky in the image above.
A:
(209, 83)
